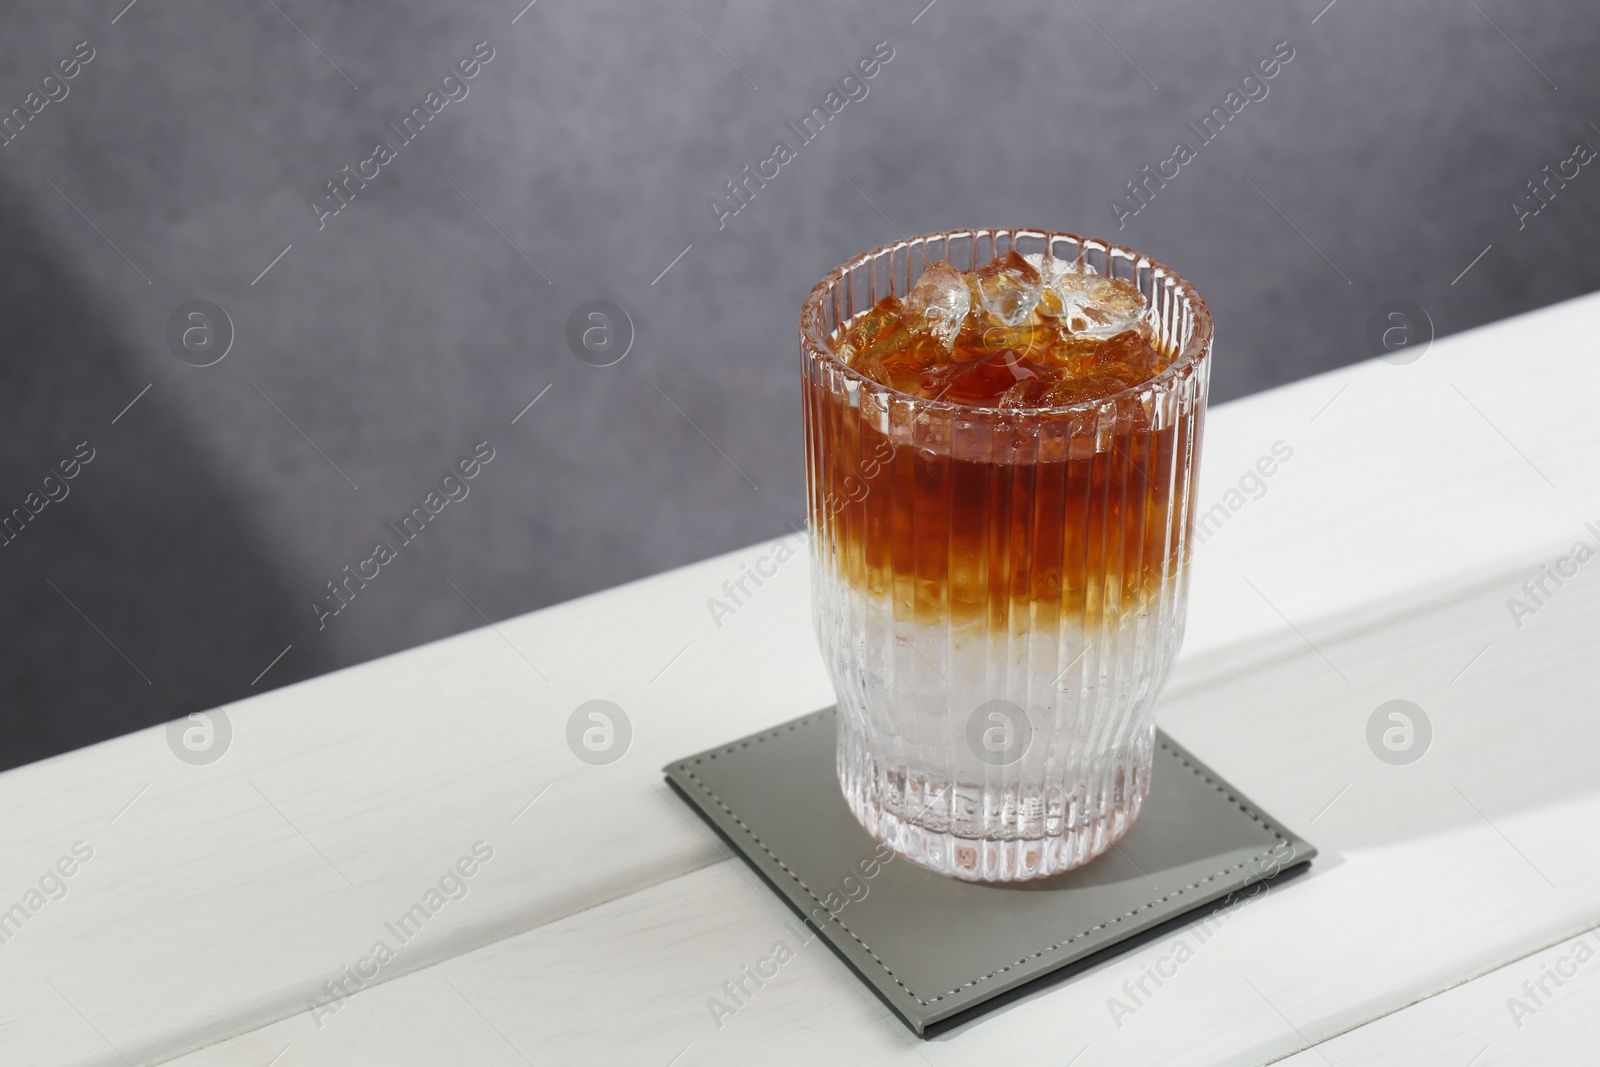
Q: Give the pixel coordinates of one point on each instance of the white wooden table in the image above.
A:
(219, 899)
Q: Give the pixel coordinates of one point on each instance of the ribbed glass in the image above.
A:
(999, 595)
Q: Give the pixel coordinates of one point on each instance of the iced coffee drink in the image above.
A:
(1001, 433)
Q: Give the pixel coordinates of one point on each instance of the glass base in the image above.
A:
(1106, 809)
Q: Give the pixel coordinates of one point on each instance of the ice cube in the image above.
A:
(1067, 353)
(920, 353)
(1128, 356)
(1033, 393)
(1049, 268)
(873, 368)
(938, 303)
(1090, 304)
(1069, 391)
(872, 331)
(1007, 288)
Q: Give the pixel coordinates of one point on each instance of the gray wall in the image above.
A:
(408, 329)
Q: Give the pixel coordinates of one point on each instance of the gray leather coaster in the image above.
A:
(939, 950)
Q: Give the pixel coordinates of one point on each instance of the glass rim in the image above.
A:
(814, 340)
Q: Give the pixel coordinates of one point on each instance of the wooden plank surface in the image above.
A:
(221, 897)
(1430, 873)
(1544, 1008)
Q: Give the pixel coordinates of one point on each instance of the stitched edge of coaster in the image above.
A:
(791, 727)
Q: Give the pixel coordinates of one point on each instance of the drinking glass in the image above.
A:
(999, 594)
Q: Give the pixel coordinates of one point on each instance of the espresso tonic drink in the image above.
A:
(1001, 433)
